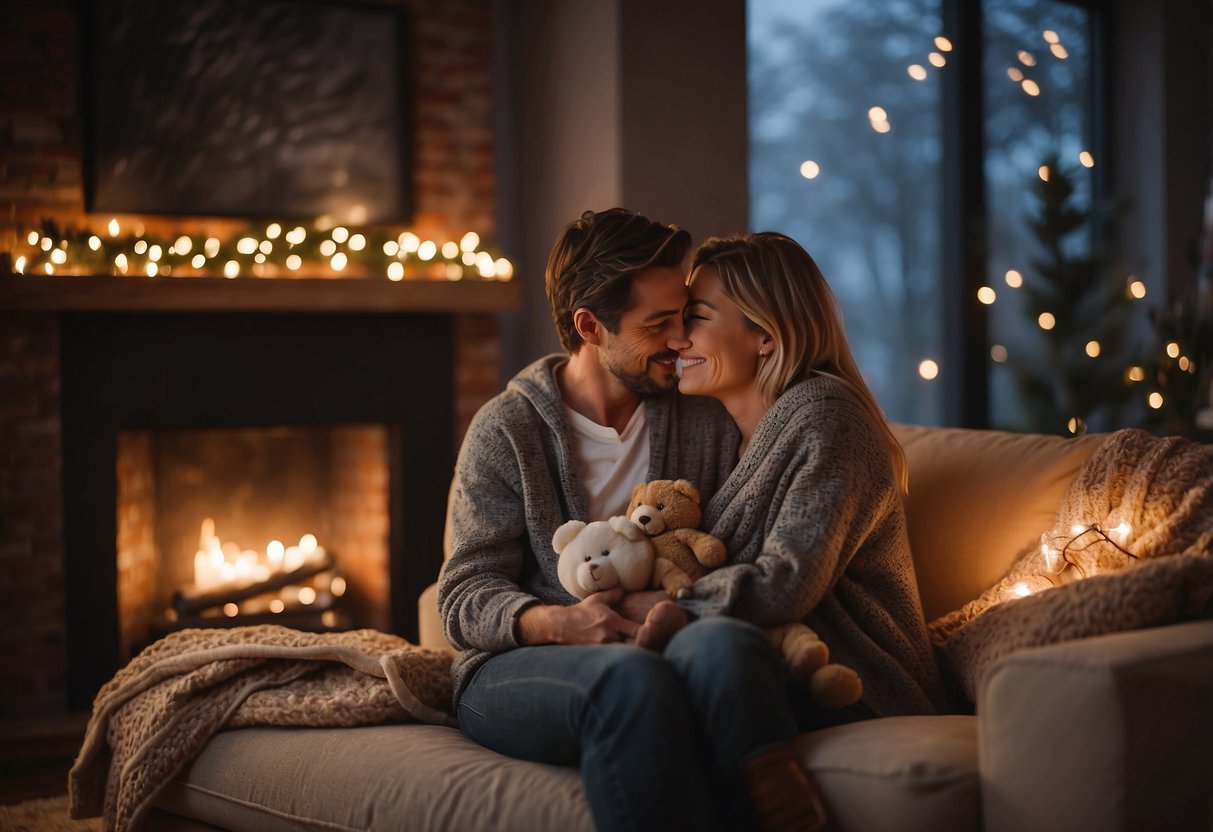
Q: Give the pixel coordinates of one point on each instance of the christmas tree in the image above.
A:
(1075, 376)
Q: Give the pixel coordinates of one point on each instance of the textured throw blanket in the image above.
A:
(159, 711)
(1130, 549)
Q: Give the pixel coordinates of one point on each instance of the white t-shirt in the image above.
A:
(610, 463)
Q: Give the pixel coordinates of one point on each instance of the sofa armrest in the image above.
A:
(429, 624)
(1109, 733)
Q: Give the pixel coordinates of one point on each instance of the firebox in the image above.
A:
(236, 465)
(242, 526)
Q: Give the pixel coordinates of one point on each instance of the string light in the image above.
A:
(265, 252)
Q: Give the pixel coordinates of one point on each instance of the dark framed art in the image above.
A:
(247, 108)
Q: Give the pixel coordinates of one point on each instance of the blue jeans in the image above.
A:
(660, 738)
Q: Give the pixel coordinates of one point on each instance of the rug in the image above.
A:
(47, 814)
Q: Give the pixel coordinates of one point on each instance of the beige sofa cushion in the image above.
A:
(978, 500)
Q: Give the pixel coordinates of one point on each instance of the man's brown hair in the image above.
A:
(594, 260)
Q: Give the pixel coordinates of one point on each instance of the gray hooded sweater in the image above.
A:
(815, 529)
(516, 482)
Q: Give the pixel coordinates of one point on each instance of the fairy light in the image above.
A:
(916, 71)
(928, 369)
(256, 253)
(1093, 349)
(1086, 159)
(879, 119)
(1046, 321)
(998, 354)
(937, 60)
(943, 44)
(1031, 87)
(1013, 279)
(1050, 36)
(1135, 374)
(1155, 400)
(1136, 289)
(1025, 57)
(1015, 74)
(395, 271)
(809, 169)
(986, 295)
(1059, 51)
(1043, 173)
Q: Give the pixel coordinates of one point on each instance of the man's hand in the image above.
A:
(590, 621)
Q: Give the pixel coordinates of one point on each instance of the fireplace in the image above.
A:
(345, 419)
(239, 526)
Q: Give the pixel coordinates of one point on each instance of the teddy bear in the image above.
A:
(602, 555)
(668, 511)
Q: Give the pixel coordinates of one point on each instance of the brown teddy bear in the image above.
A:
(668, 511)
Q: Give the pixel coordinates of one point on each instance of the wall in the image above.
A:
(41, 177)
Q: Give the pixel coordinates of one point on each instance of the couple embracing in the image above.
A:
(680, 714)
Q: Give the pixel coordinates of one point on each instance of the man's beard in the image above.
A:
(642, 383)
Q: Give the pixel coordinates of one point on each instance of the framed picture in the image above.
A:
(247, 108)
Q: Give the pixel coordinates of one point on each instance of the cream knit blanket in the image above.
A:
(158, 712)
(1134, 523)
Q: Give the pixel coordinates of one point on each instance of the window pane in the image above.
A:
(845, 153)
(1037, 88)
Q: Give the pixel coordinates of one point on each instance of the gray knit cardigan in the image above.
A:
(816, 531)
(515, 483)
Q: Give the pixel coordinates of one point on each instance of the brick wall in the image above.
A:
(41, 177)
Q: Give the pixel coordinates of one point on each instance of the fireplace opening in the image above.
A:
(231, 527)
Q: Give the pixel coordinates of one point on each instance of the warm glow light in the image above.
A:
(230, 269)
(943, 44)
(357, 242)
(427, 250)
(272, 231)
(1021, 589)
(259, 259)
(337, 587)
(395, 271)
(877, 114)
(275, 551)
(20, 264)
(308, 544)
(296, 235)
(809, 169)
(339, 261)
(410, 242)
(936, 59)
(211, 247)
(155, 253)
(1050, 36)
(1059, 51)
(486, 265)
(1077, 427)
(113, 228)
(1087, 160)
(928, 369)
(986, 295)
(182, 245)
(1135, 374)
(277, 606)
(327, 248)
(307, 595)
(998, 353)
(198, 261)
(454, 271)
(1025, 58)
(469, 241)
(48, 268)
(1173, 350)
(1093, 349)
(1015, 74)
(33, 238)
(1046, 320)
(151, 269)
(391, 248)
(917, 71)
(1043, 173)
(881, 126)
(266, 247)
(1186, 364)
(246, 245)
(231, 610)
(1155, 400)
(59, 257)
(505, 269)
(1030, 87)
(450, 249)
(1014, 279)
(340, 234)
(140, 247)
(293, 262)
(1137, 289)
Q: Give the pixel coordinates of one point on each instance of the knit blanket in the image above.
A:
(158, 712)
(1130, 548)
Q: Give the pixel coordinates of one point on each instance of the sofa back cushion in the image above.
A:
(979, 499)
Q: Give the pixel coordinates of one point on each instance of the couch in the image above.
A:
(1104, 733)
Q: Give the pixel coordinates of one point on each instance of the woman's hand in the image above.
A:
(635, 606)
(589, 621)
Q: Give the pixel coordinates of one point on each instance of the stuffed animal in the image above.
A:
(602, 555)
(668, 511)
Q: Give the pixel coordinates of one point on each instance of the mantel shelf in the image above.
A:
(218, 294)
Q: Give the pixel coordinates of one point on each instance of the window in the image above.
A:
(853, 149)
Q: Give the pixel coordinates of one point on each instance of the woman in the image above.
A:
(812, 515)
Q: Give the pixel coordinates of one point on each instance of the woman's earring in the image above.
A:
(763, 354)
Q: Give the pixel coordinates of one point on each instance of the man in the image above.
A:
(568, 439)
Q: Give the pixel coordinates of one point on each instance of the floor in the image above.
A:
(36, 754)
(20, 783)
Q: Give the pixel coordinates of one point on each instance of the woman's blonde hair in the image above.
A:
(780, 290)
